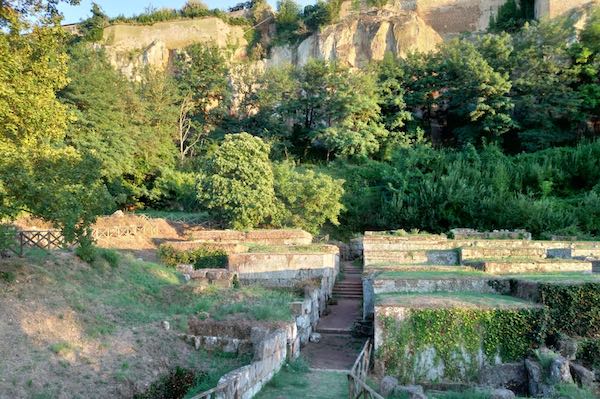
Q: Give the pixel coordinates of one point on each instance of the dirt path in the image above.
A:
(337, 349)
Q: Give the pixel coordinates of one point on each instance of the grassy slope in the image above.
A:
(75, 330)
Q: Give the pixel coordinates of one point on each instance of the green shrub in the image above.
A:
(175, 190)
(8, 238)
(109, 255)
(588, 351)
(573, 308)
(459, 334)
(201, 258)
(309, 199)
(8, 277)
(434, 190)
(87, 252)
(238, 182)
(174, 385)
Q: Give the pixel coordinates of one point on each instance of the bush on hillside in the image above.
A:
(238, 182)
(201, 258)
(434, 190)
(175, 190)
(310, 199)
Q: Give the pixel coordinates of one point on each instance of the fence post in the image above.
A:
(21, 244)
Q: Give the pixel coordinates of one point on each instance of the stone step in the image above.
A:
(347, 296)
(348, 293)
(345, 332)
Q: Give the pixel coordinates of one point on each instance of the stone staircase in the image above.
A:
(350, 285)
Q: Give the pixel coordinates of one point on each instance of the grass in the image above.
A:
(451, 299)
(430, 274)
(295, 380)
(468, 394)
(139, 292)
(566, 277)
(572, 391)
(61, 348)
(522, 259)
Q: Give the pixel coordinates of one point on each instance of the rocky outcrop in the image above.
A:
(361, 38)
(131, 47)
(362, 34)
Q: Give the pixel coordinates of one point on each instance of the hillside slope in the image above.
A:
(71, 330)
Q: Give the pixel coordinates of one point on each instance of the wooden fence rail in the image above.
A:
(357, 376)
(17, 240)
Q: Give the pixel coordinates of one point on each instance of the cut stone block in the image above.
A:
(529, 266)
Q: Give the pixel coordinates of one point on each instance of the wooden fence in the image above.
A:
(123, 231)
(18, 240)
(357, 376)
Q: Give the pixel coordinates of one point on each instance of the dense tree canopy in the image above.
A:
(463, 136)
(39, 172)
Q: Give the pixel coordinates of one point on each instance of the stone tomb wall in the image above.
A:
(266, 237)
(380, 247)
(286, 269)
(374, 285)
(271, 347)
(425, 363)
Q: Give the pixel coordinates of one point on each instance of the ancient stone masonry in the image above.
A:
(271, 348)
(498, 297)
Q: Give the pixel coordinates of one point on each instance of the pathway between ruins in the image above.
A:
(337, 349)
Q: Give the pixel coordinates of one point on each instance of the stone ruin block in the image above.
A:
(202, 278)
(465, 234)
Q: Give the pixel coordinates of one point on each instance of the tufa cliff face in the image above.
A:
(358, 39)
(361, 35)
(132, 47)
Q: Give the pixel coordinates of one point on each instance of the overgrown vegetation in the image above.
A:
(201, 258)
(588, 351)
(491, 131)
(573, 308)
(457, 336)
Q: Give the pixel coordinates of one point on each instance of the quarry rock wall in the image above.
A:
(131, 47)
(361, 35)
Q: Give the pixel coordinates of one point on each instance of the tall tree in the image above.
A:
(547, 106)
(473, 95)
(201, 73)
(129, 126)
(38, 172)
(238, 182)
